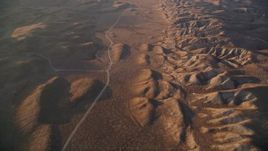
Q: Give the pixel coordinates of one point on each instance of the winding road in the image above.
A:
(109, 67)
(64, 70)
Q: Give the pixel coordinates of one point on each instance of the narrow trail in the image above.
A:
(109, 67)
(65, 70)
(52, 66)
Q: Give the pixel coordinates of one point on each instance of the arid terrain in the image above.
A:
(145, 75)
